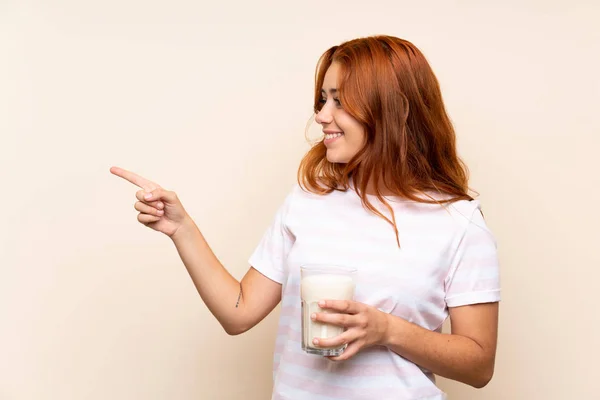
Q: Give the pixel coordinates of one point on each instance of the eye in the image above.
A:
(320, 103)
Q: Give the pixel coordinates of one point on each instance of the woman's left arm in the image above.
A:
(466, 355)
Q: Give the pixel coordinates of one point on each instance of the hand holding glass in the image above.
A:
(323, 282)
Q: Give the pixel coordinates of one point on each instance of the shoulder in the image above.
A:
(299, 192)
(453, 217)
(304, 203)
(297, 196)
(464, 210)
(472, 222)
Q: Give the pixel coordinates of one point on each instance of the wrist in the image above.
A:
(395, 329)
(184, 230)
(386, 333)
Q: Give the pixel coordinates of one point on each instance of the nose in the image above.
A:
(324, 116)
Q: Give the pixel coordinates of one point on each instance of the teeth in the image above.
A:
(332, 135)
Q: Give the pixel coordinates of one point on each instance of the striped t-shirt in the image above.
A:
(447, 259)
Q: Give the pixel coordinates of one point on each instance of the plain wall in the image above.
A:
(210, 99)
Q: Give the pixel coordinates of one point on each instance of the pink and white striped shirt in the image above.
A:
(447, 259)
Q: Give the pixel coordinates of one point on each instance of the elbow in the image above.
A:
(233, 330)
(483, 377)
(480, 383)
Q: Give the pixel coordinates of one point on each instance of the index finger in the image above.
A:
(134, 178)
(343, 306)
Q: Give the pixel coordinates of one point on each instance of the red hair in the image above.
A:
(387, 85)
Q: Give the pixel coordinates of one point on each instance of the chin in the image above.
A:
(336, 159)
(341, 154)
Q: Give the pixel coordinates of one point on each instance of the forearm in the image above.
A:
(219, 290)
(452, 356)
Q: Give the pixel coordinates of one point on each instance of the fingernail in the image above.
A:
(321, 303)
(148, 196)
(315, 341)
(161, 212)
(313, 316)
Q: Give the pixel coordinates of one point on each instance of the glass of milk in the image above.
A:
(323, 282)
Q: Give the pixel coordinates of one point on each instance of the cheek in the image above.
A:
(356, 137)
(353, 130)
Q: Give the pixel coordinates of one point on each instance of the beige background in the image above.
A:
(210, 99)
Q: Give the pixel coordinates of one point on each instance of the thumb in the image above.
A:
(160, 193)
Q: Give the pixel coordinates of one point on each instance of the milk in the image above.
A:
(318, 287)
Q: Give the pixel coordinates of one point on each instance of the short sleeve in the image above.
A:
(270, 255)
(474, 275)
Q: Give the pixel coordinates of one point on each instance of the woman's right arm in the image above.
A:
(238, 306)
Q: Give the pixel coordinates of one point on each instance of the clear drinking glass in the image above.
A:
(323, 282)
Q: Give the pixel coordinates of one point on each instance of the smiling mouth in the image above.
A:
(331, 136)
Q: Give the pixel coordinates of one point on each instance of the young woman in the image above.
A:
(384, 192)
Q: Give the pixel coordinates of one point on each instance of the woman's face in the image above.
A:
(344, 135)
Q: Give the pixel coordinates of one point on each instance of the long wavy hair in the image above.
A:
(388, 86)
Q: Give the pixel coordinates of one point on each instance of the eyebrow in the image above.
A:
(332, 91)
